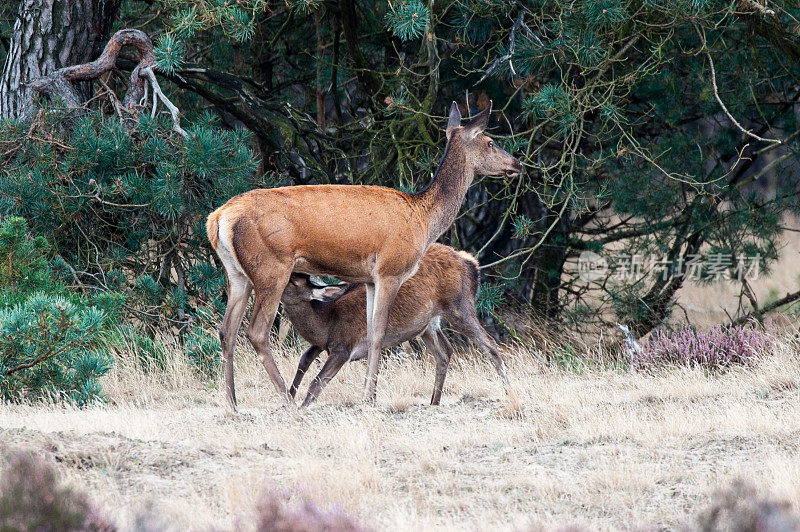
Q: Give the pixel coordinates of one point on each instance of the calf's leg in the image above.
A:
(308, 357)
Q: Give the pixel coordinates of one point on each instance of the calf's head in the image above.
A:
(302, 289)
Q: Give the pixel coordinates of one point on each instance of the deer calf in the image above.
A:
(334, 318)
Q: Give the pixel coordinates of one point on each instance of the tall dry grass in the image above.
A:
(587, 444)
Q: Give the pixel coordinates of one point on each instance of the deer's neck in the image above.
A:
(445, 194)
(311, 320)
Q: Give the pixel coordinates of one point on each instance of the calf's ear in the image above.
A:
(328, 293)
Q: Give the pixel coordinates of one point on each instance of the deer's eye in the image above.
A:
(491, 144)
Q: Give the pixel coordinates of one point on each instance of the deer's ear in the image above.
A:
(329, 293)
(479, 121)
(298, 278)
(315, 281)
(454, 121)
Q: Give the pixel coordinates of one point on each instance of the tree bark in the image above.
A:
(48, 35)
(366, 78)
(547, 265)
(320, 94)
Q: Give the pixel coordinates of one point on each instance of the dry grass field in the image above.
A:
(599, 448)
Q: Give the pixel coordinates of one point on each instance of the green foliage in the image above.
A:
(209, 281)
(203, 351)
(490, 297)
(234, 18)
(407, 20)
(170, 53)
(137, 198)
(605, 13)
(305, 6)
(237, 23)
(49, 349)
(23, 259)
(553, 102)
(523, 226)
(50, 340)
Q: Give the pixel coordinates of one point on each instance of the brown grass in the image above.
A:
(602, 448)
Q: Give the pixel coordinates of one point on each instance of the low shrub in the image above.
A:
(718, 347)
(50, 348)
(741, 507)
(31, 498)
(275, 513)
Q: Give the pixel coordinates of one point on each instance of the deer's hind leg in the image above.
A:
(438, 344)
(467, 323)
(268, 287)
(239, 289)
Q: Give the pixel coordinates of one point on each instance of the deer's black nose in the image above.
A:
(516, 169)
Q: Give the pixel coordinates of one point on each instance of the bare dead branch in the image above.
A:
(758, 314)
(173, 111)
(764, 10)
(736, 123)
(512, 41)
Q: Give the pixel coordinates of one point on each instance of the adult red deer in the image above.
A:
(333, 318)
(360, 234)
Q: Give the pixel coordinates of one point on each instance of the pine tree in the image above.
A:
(631, 145)
(51, 342)
(137, 197)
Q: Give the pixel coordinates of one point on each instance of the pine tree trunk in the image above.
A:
(547, 266)
(48, 35)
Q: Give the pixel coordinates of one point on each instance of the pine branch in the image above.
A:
(261, 117)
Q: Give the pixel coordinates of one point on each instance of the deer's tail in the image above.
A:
(212, 228)
(473, 271)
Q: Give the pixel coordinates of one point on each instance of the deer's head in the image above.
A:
(482, 153)
(303, 288)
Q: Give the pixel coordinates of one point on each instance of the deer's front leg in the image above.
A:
(385, 292)
(308, 357)
(336, 359)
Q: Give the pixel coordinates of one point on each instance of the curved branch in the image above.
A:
(736, 123)
(60, 82)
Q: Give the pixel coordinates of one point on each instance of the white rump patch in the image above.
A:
(226, 252)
